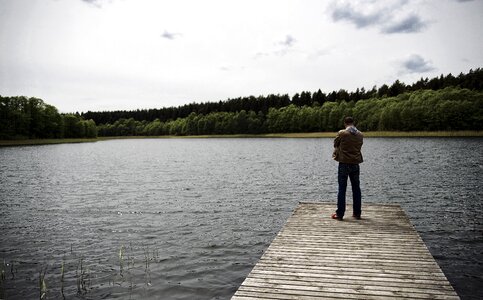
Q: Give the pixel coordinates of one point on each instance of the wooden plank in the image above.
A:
(334, 281)
(349, 269)
(347, 259)
(314, 257)
(330, 291)
(351, 277)
(348, 289)
(355, 253)
(341, 247)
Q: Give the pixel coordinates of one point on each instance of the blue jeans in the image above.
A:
(352, 171)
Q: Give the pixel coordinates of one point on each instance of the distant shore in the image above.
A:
(32, 142)
(369, 134)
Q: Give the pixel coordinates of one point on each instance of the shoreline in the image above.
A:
(369, 134)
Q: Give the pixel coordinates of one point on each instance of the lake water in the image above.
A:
(189, 218)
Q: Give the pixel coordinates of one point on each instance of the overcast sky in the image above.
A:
(81, 55)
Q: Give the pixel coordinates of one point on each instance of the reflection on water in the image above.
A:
(188, 218)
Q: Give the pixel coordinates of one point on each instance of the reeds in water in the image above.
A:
(3, 277)
(71, 276)
(42, 284)
(83, 278)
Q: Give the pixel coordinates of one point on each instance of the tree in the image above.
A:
(306, 99)
(296, 99)
(383, 91)
(396, 88)
(319, 97)
(72, 126)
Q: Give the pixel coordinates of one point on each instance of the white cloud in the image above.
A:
(319, 53)
(95, 3)
(288, 42)
(416, 64)
(344, 11)
(380, 14)
(170, 35)
(411, 23)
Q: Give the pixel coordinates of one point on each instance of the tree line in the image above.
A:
(472, 80)
(30, 118)
(441, 103)
(451, 108)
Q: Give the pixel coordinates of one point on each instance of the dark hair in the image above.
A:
(348, 120)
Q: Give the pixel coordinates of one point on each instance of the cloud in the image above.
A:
(288, 42)
(348, 13)
(261, 55)
(412, 23)
(286, 45)
(416, 64)
(281, 48)
(377, 13)
(319, 53)
(170, 35)
(96, 3)
(231, 68)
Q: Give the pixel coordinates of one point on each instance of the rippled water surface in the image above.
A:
(189, 218)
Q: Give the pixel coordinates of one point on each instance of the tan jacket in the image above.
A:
(347, 146)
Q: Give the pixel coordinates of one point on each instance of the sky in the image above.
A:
(97, 55)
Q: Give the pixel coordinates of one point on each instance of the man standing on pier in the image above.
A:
(347, 151)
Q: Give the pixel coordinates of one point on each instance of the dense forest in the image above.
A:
(473, 80)
(441, 103)
(30, 118)
(447, 109)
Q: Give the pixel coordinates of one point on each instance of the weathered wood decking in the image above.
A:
(378, 257)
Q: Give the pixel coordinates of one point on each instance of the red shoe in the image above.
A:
(336, 217)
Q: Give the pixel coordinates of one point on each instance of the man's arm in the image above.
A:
(337, 141)
(335, 154)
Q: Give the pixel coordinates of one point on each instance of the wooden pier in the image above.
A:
(379, 257)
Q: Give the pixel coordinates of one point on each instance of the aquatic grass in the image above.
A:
(127, 265)
(62, 272)
(147, 269)
(130, 258)
(12, 272)
(78, 277)
(74, 276)
(3, 277)
(83, 277)
(42, 283)
(2, 271)
(121, 260)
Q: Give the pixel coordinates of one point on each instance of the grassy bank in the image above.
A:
(268, 135)
(318, 135)
(30, 142)
(465, 133)
(380, 134)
